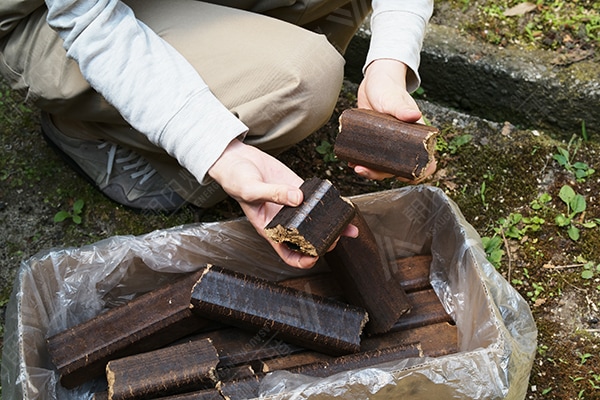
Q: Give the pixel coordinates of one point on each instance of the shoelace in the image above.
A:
(135, 162)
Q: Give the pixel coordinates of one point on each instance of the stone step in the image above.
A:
(526, 88)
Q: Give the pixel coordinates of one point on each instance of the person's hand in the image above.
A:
(383, 89)
(261, 184)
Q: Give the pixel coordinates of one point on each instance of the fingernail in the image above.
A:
(294, 197)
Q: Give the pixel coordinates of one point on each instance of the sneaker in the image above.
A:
(121, 174)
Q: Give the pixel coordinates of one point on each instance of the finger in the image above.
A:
(370, 173)
(294, 258)
(279, 194)
(351, 231)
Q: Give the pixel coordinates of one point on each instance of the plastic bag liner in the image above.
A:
(497, 335)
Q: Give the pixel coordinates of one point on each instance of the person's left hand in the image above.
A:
(383, 89)
(261, 184)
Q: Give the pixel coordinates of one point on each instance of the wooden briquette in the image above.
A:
(300, 318)
(238, 347)
(147, 322)
(427, 309)
(171, 370)
(320, 367)
(428, 341)
(313, 226)
(240, 382)
(384, 143)
(203, 394)
(413, 272)
(366, 279)
(435, 339)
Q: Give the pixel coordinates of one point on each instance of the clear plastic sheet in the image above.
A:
(497, 334)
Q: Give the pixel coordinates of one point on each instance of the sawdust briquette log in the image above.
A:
(320, 367)
(434, 340)
(366, 279)
(238, 347)
(313, 226)
(429, 341)
(299, 318)
(240, 382)
(322, 284)
(147, 322)
(171, 370)
(384, 143)
(413, 272)
(427, 309)
(203, 394)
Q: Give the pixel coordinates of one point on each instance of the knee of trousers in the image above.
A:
(305, 101)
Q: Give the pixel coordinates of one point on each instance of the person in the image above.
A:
(160, 103)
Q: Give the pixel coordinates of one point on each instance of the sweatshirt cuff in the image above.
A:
(398, 35)
(199, 133)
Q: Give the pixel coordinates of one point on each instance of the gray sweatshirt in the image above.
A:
(161, 94)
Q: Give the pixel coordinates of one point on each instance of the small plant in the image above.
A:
(326, 150)
(515, 226)
(575, 207)
(541, 202)
(565, 158)
(589, 270)
(457, 142)
(536, 292)
(583, 357)
(493, 249)
(74, 214)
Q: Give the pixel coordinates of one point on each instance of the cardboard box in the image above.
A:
(497, 334)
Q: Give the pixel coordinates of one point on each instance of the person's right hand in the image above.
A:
(262, 185)
(383, 89)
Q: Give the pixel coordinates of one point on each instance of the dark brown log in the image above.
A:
(428, 341)
(334, 365)
(434, 340)
(100, 396)
(413, 272)
(313, 226)
(236, 346)
(204, 394)
(170, 370)
(322, 284)
(366, 279)
(427, 309)
(236, 373)
(239, 389)
(383, 143)
(150, 321)
(300, 318)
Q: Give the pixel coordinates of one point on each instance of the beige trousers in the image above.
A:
(235, 45)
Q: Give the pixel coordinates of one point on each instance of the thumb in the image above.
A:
(281, 194)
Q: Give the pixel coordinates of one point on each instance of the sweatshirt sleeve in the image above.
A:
(397, 32)
(151, 84)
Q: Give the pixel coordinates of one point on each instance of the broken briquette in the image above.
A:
(170, 370)
(313, 226)
(384, 143)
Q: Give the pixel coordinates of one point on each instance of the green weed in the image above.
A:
(326, 150)
(74, 214)
(576, 205)
(565, 158)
